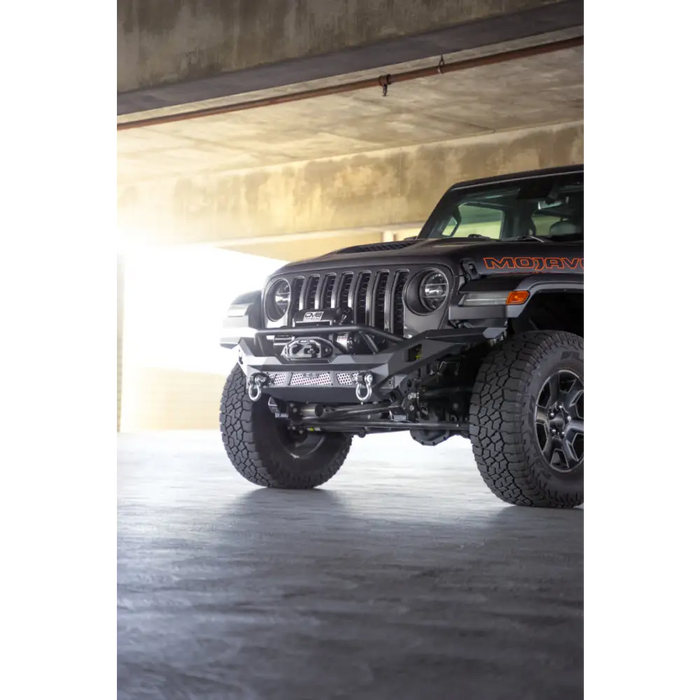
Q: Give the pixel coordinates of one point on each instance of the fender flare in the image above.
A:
(537, 284)
(534, 284)
(254, 302)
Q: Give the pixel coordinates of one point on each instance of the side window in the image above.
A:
(563, 225)
(471, 219)
(561, 216)
(543, 223)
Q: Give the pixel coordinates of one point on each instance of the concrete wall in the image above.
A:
(166, 41)
(120, 335)
(170, 399)
(379, 190)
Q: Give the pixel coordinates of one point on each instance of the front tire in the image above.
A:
(266, 452)
(526, 420)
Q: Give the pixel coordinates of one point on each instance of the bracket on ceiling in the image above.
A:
(385, 81)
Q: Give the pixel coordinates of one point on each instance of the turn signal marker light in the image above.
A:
(517, 297)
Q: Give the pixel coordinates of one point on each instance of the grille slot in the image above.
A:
(361, 297)
(295, 301)
(344, 295)
(397, 302)
(379, 299)
(327, 295)
(310, 296)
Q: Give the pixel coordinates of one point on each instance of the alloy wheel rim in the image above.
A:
(559, 420)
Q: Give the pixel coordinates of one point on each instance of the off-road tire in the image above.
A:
(501, 420)
(255, 443)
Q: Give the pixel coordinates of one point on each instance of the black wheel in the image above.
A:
(266, 451)
(526, 420)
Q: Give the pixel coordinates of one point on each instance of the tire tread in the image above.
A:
(496, 419)
(243, 439)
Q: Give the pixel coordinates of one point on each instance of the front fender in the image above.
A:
(243, 318)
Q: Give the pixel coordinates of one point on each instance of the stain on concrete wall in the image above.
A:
(381, 189)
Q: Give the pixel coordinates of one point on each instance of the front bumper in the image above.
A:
(334, 379)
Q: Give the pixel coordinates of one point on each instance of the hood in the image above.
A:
(434, 250)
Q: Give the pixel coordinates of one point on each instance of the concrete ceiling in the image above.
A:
(539, 90)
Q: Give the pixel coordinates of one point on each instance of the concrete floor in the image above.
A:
(403, 578)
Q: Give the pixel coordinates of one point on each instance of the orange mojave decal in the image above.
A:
(533, 264)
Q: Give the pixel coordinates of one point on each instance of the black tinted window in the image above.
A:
(548, 207)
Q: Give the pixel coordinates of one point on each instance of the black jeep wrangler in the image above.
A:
(473, 328)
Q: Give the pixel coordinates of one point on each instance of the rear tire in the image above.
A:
(265, 452)
(528, 446)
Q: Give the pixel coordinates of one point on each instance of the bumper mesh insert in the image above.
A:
(311, 379)
(346, 378)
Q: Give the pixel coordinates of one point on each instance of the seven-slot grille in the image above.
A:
(376, 298)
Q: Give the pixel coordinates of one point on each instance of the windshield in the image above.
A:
(548, 207)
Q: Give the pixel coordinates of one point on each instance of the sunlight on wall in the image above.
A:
(175, 300)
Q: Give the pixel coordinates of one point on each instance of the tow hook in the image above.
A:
(255, 385)
(363, 388)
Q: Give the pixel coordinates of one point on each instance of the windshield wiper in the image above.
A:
(570, 238)
(530, 237)
(567, 237)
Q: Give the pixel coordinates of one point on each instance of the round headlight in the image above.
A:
(278, 300)
(433, 291)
